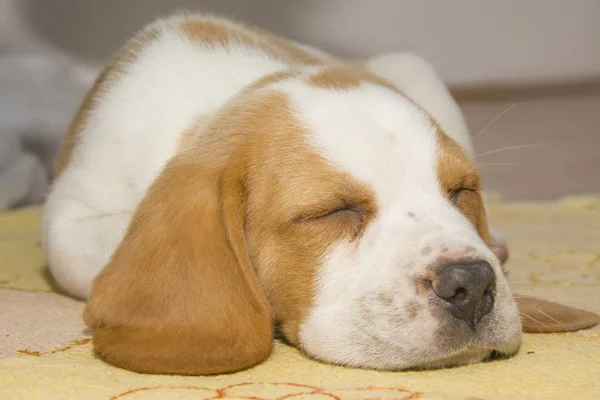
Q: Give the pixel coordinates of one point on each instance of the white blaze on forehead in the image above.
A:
(375, 134)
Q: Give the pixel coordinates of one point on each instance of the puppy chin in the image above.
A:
(469, 356)
(391, 357)
(473, 355)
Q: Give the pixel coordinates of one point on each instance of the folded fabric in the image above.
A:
(39, 94)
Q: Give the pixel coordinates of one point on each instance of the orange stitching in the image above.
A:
(398, 389)
(60, 349)
(221, 393)
(315, 390)
(289, 396)
(157, 387)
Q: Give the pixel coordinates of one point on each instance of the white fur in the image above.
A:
(384, 140)
(420, 83)
(131, 133)
(376, 135)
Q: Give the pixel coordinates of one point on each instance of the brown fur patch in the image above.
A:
(216, 249)
(202, 29)
(289, 223)
(179, 280)
(215, 32)
(460, 182)
(346, 77)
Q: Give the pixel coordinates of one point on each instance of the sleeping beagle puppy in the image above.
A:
(220, 183)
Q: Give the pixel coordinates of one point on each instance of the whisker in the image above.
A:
(520, 283)
(507, 109)
(551, 318)
(103, 215)
(495, 164)
(90, 206)
(536, 321)
(522, 296)
(521, 146)
(524, 293)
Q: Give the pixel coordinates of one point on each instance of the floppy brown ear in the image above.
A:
(541, 316)
(179, 295)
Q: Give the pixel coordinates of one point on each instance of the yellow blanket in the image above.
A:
(555, 248)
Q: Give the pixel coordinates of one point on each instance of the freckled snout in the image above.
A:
(466, 290)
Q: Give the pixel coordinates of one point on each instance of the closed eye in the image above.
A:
(349, 218)
(455, 194)
(336, 217)
(343, 209)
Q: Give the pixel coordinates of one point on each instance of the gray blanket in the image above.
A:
(39, 95)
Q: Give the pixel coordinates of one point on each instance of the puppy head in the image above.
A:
(327, 204)
(417, 284)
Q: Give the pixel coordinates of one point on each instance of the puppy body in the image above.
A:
(162, 86)
(218, 173)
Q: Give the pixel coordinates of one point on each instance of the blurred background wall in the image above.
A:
(540, 59)
(471, 42)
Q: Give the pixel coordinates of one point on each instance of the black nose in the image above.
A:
(467, 290)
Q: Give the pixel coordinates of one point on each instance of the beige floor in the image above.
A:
(567, 129)
(45, 353)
